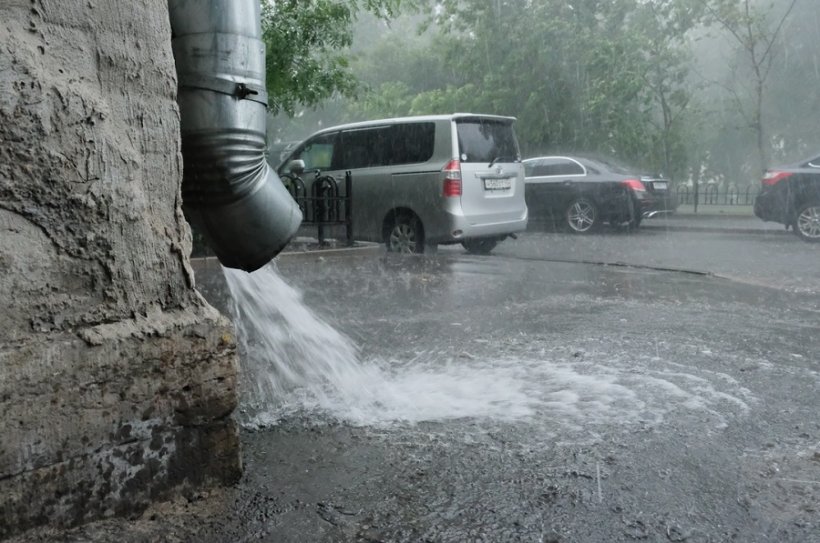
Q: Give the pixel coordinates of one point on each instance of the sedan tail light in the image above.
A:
(634, 184)
(452, 179)
(773, 177)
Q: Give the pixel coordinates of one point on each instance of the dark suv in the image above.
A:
(791, 195)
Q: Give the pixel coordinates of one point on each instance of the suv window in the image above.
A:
(317, 153)
(411, 143)
(361, 148)
(485, 140)
(391, 145)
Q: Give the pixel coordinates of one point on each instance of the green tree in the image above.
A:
(585, 76)
(664, 29)
(306, 42)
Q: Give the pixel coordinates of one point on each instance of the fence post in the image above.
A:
(349, 208)
(696, 191)
(319, 207)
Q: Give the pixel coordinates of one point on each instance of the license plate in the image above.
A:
(659, 186)
(497, 184)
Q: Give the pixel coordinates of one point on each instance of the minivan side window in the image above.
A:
(485, 140)
(361, 148)
(392, 145)
(317, 153)
(411, 143)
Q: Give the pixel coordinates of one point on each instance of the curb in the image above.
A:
(716, 229)
(706, 223)
(303, 252)
(368, 247)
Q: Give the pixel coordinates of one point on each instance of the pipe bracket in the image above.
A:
(241, 90)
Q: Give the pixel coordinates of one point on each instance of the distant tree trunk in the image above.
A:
(752, 30)
(759, 125)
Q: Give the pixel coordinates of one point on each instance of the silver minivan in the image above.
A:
(423, 181)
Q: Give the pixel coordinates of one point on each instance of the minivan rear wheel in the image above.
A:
(807, 222)
(405, 234)
(479, 246)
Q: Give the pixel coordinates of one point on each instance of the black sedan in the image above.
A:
(790, 195)
(583, 193)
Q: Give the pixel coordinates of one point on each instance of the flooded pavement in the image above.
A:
(524, 397)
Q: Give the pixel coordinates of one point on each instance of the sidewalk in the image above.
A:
(737, 220)
(306, 244)
(741, 221)
(707, 220)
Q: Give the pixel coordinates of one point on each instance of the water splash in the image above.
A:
(296, 365)
(294, 362)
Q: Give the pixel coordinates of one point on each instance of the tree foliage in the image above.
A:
(666, 84)
(306, 44)
(589, 75)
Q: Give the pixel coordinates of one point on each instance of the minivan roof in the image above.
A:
(416, 118)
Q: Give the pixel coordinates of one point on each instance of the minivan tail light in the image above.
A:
(634, 184)
(774, 177)
(452, 179)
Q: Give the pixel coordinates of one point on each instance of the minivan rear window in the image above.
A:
(485, 140)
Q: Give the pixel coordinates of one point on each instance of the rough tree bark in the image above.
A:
(117, 381)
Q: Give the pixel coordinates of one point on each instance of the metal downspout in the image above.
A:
(229, 192)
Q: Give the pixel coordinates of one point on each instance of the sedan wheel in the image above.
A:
(405, 235)
(807, 223)
(582, 216)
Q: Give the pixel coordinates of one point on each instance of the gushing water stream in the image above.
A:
(293, 362)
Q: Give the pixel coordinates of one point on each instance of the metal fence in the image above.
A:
(715, 195)
(324, 204)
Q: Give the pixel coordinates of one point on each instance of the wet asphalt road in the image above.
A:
(677, 377)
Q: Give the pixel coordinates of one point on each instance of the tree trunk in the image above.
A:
(116, 379)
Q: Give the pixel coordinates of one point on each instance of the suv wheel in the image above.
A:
(807, 222)
(405, 234)
(582, 216)
(479, 246)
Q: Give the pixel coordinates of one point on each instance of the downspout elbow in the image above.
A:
(230, 194)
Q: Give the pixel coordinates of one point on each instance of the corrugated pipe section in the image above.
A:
(229, 192)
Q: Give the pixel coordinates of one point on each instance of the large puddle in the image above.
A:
(296, 365)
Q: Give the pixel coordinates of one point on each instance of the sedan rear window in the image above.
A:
(483, 140)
